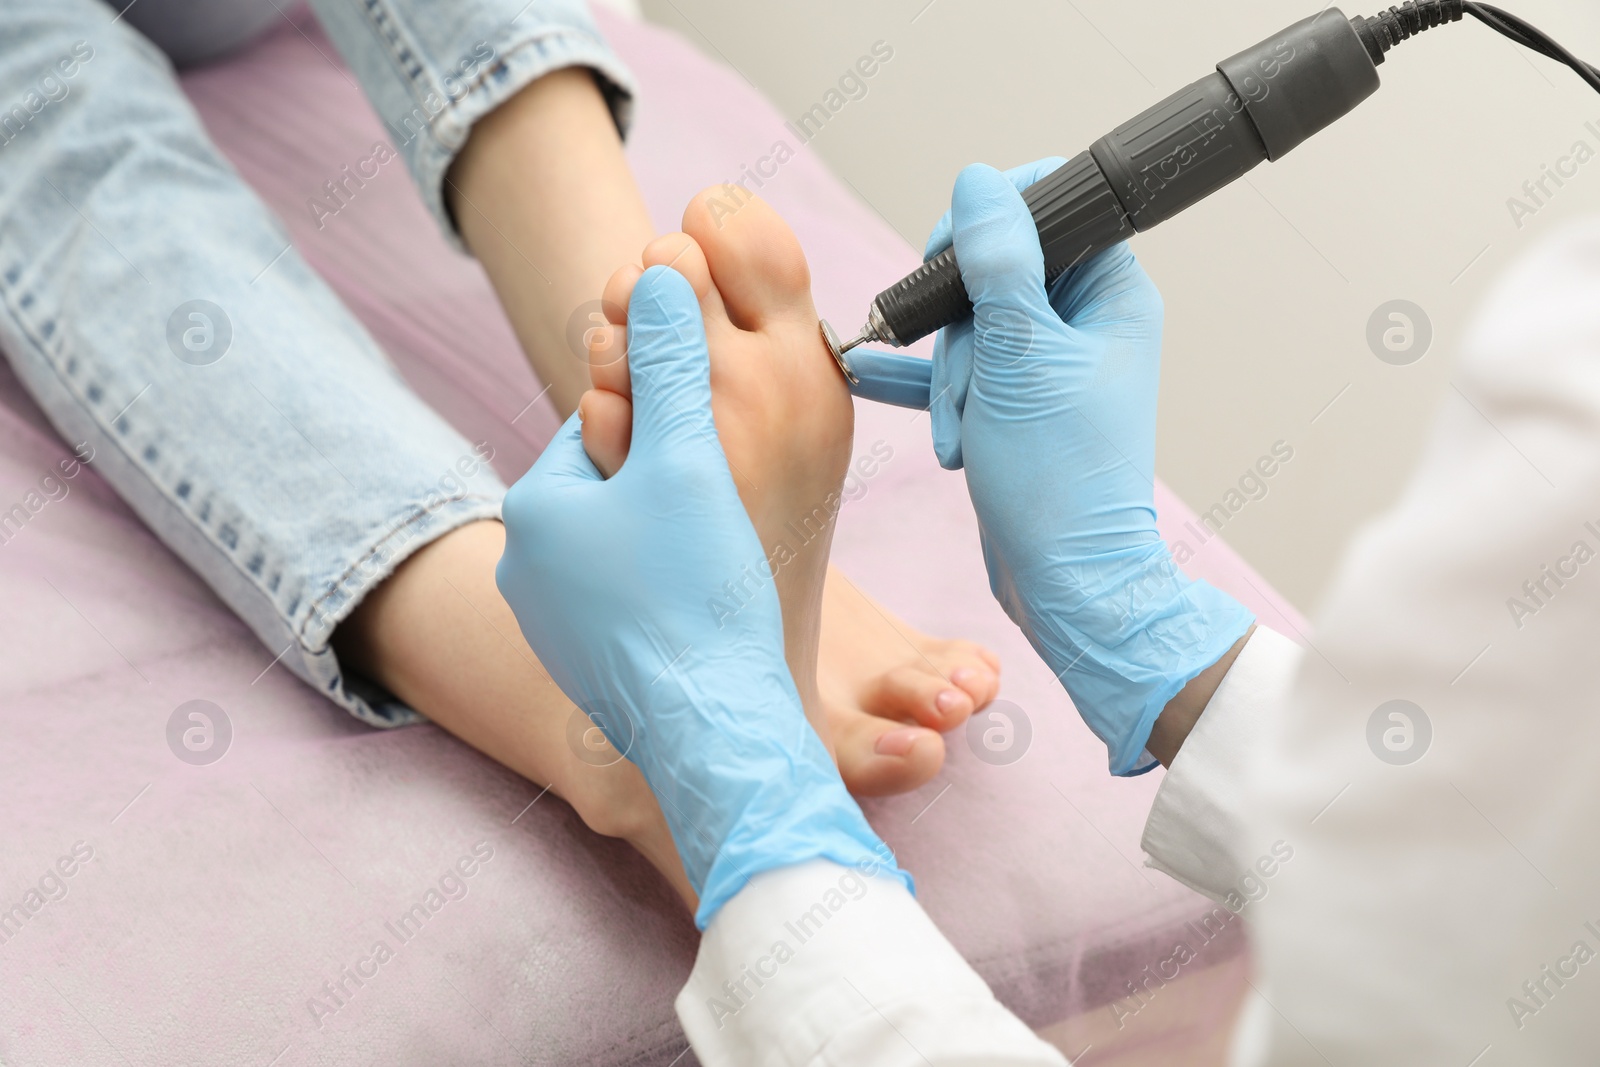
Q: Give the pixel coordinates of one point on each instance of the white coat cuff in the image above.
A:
(821, 964)
(1197, 827)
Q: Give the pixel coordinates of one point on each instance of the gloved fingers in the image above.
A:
(1002, 266)
(1021, 177)
(890, 377)
(1109, 288)
(669, 365)
(947, 398)
(562, 463)
(1112, 314)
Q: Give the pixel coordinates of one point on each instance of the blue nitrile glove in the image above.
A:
(1049, 401)
(613, 580)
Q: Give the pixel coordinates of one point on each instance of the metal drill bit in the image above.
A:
(837, 350)
(867, 334)
(876, 329)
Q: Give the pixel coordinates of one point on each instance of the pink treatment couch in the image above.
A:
(208, 909)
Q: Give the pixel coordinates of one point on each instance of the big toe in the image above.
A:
(754, 258)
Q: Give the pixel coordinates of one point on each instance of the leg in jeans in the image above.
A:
(523, 161)
(324, 483)
(260, 434)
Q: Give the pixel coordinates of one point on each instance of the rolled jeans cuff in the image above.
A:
(308, 651)
(433, 73)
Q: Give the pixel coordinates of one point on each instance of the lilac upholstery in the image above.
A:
(220, 899)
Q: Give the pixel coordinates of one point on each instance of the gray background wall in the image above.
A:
(1269, 286)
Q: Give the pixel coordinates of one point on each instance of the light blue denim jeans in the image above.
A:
(155, 308)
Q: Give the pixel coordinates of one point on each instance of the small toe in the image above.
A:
(607, 428)
(972, 668)
(608, 359)
(683, 254)
(917, 692)
(618, 291)
(608, 345)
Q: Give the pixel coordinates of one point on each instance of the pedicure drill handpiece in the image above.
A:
(1255, 106)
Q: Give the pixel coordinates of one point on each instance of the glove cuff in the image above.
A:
(752, 797)
(1197, 633)
(1122, 677)
(791, 824)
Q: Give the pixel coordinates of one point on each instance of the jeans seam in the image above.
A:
(135, 459)
(387, 29)
(357, 706)
(30, 333)
(263, 579)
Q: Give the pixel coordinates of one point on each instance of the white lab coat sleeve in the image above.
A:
(1196, 829)
(1433, 768)
(819, 964)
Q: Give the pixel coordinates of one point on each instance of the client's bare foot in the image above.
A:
(874, 666)
(439, 636)
(785, 419)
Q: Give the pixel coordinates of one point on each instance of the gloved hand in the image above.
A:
(611, 582)
(1049, 401)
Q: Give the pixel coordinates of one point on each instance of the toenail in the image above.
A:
(962, 675)
(951, 700)
(897, 742)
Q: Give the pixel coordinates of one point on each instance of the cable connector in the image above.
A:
(1386, 29)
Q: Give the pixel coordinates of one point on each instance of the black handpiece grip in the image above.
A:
(930, 297)
(1256, 105)
(1077, 214)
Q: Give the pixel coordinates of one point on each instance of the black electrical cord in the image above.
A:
(1530, 37)
(1388, 28)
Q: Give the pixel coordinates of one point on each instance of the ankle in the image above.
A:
(612, 800)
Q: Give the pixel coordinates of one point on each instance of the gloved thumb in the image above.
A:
(997, 245)
(953, 351)
(668, 362)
